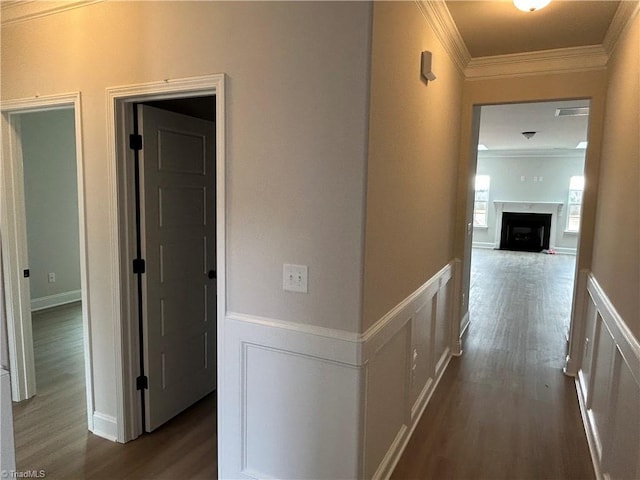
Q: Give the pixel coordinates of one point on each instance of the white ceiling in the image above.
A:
(501, 126)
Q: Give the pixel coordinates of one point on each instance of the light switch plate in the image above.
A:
(295, 278)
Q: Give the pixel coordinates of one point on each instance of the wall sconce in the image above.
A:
(425, 67)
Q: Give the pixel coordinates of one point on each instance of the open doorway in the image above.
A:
(528, 204)
(172, 255)
(176, 253)
(45, 270)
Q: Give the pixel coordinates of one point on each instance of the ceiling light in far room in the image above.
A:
(482, 146)
(582, 145)
(530, 5)
(528, 135)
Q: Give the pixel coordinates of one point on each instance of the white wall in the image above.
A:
(297, 107)
(51, 200)
(506, 169)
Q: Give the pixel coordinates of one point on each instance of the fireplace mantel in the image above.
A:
(528, 206)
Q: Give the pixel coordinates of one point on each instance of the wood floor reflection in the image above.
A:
(505, 410)
(51, 428)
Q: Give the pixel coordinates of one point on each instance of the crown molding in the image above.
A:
(624, 16)
(440, 20)
(537, 153)
(561, 60)
(13, 11)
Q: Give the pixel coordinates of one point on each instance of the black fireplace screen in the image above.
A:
(529, 232)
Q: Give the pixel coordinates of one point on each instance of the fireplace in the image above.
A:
(529, 232)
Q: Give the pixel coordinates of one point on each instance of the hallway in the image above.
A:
(504, 409)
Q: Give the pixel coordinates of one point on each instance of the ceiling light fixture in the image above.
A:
(530, 5)
(528, 135)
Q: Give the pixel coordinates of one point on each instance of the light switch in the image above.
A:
(295, 278)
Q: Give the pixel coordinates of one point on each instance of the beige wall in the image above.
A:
(616, 253)
(297, 105)
(576, 85)
(413, 152)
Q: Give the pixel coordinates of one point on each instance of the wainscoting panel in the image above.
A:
(609, 388)
(387, 397)
(294, 389)
(422, 338)
(340, 404)
(414, 372)
(312, 395)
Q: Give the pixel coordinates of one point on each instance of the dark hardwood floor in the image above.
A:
(51, 428)
(504, 409)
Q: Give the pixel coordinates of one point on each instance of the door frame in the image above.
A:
(121, 206)
(590, 169)
(15, 249)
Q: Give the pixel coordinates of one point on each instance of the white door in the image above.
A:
(177, 180)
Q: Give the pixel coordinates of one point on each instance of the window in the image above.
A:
(481, 203)
(574, 210)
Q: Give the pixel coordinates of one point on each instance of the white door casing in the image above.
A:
(14, 231)
(178, 235)
(119, 100)
(13, 224)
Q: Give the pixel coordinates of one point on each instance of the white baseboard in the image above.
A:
(55, 300)
(485, 245)
(105, 426)
(566, 250)
(390, 460)
(464, 328)
(591, 441)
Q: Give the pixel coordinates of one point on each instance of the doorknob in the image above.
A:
(212, 274)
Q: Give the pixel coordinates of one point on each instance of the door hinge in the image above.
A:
(135, 141)
(142, 383)
(138, 266)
